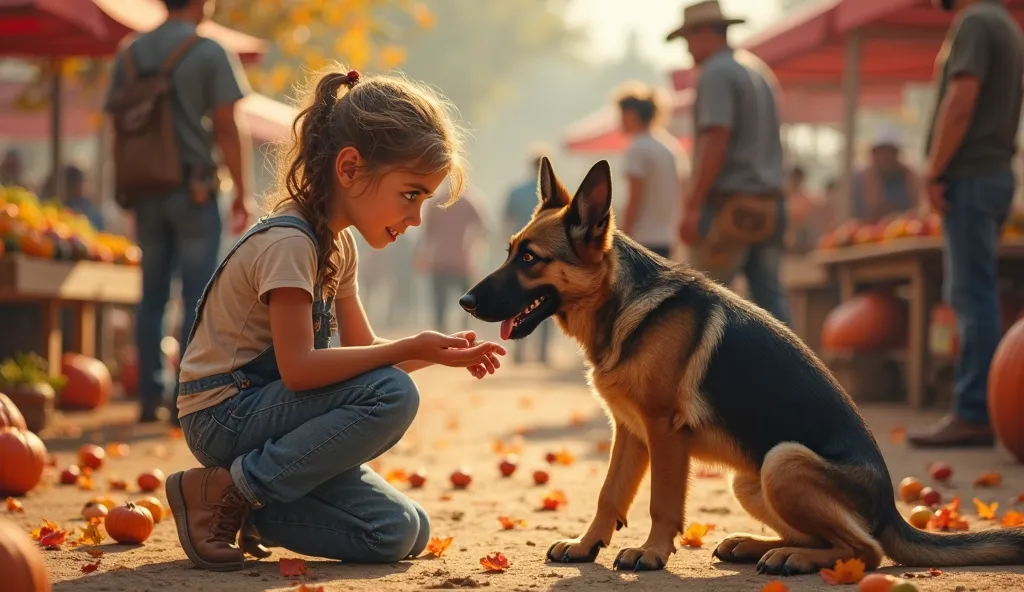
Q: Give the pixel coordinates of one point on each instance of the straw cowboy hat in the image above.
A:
(708, 12)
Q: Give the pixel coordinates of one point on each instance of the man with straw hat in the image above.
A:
(734, 219)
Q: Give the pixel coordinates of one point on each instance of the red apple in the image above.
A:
(418, 478)
(69, 476)
(940, 471)
(91, 455)
(930, 497)
(540, 477)
(461, 478)
(508, 465)
(151, 480)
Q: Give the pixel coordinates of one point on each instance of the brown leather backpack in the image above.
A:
(146, 157)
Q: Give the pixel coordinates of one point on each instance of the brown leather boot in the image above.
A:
(251, 542)
(952, 432)
(208, 510)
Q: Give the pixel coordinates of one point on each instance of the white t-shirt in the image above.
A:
(654, 157)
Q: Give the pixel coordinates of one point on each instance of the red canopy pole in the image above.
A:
(851, 88)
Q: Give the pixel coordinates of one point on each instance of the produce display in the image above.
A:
(911, 224)
(51, 231)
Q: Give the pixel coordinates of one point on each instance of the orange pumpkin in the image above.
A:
(22, 460)
(94, 510)
(1006, 390)
(129, 524)
(155, 507)
(21, 563)
(869, 321)
(151, 480)
(88, 382)
(10, 415)
(91, 455)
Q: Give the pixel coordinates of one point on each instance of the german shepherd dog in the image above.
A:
(687, 369)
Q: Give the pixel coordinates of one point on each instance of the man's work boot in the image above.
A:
(952, 432)
(251, 542)
(209, 511)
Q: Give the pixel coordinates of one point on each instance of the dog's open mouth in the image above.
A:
(527, 320)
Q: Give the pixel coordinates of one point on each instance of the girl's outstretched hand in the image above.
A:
(458, 351)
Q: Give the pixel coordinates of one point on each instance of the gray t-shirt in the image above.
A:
(984, 42)
(653, 157)
(737, 90)
(205, 78)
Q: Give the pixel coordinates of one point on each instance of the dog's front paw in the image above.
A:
(745, 548)
(575, 551)
(640, 559)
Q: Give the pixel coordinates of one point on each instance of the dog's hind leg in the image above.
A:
(626, 469)
(749, 548)
(811, 497)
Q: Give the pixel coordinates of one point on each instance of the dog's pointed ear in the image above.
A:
(550, 192)
(590, 219)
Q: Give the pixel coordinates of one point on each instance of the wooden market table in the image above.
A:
(918, 263)
(811, 293)
(51, 285)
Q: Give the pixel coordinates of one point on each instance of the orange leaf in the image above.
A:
(987, 512)
(495, 562)
(85, 482)
(564, 457)
(774, 586)
(92, 534)
(508, 523)
(14, 505)
(898, 435)
(91, 567)
(94, 552)
(989, 479)
(604, 446)
(1013, 518)
(850, 571)
(176, 434)
(47, 528)
(53, 540)
(293, 567)
(116, 449)
(577, 418)
(396, 476)
(437, 545)
(117, 484)
(553, 500)
(693, 537)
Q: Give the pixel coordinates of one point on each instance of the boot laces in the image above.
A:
(230, 513)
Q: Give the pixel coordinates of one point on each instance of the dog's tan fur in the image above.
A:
(661, 418)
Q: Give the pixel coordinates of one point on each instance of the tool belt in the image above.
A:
(744, 218)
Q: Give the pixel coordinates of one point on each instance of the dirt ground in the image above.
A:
(459, 421)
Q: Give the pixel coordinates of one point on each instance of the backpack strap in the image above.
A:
(178, 53)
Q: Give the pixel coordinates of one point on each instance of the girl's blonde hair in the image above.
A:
(395, 124)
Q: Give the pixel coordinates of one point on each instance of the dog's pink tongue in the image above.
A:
(506, 329)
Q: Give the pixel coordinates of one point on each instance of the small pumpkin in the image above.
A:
(91, 455)
(94, 510)
(1006, 390)
(155, 507)
(10, 415)
(151, 480)
(22, 460)
(21, 563)
(870, 321)
(104, 500)
(129, 524)
(88, 382)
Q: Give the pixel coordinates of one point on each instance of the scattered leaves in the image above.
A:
(693, 537)
(396, 476)
(553, 500)
(95, 552)
(495, 562)
(14, 505)
(437, 545)
(117, 449)
(898, 435)
(90, 567)
(988, 479)
(577, 418)
(505, 448)
(1013, 518)
(850, 571)
(948, 518)
(292, 567)
(53, 540)
(92, 534)
(931, 573)
(604, 446)
(117, 484)
(176, 434)
(509, 523)
(986, 511)
(563, 457)
(774, 586)
(47, 528)
(85, 482)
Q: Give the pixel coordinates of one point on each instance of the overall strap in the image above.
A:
(262, 225)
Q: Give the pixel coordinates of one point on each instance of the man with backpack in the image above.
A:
(163, 86)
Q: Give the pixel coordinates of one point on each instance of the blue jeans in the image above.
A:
(760, 263)
(979, 207)
(173, 233)
(298, 458)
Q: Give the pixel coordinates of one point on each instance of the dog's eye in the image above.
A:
(528, 256)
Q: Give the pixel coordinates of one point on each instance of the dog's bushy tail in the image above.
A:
(912, 547)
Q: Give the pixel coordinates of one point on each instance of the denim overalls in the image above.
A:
(262, 370)
(299, 457)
